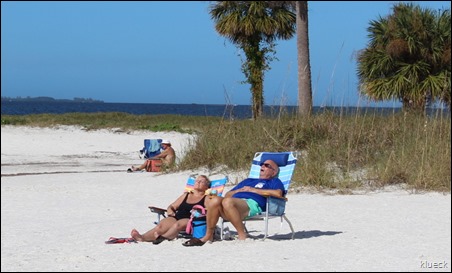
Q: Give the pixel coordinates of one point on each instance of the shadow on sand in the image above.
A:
(305, 234)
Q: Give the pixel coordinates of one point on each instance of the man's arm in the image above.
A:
(263, 192)
(232, 192)
(160, 155)
(275, 189)
(235, 189)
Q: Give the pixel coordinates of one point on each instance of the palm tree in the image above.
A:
(304, 65)
(253, 27)
(408, 57)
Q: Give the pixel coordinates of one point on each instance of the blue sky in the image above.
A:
(169, 52)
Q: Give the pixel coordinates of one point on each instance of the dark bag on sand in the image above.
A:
(197, 225)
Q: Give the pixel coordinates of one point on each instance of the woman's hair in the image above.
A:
(207, 179)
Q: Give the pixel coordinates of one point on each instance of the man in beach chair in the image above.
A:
(259, 197)
(275, 207)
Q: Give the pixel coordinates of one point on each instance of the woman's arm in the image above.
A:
(173, 207)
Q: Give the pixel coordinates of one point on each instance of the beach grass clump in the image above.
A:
(339, 151)
(342, 152)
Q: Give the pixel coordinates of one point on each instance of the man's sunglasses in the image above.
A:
(267, 165)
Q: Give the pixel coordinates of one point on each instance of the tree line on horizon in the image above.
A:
(28, 98)
(407, 57)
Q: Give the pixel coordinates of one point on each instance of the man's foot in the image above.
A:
(135, 169)
(136, 235)
(242, 236)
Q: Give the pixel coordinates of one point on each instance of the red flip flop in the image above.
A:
(114, 240)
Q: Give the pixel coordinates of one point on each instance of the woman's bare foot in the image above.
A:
(135, 169)
(136, 235)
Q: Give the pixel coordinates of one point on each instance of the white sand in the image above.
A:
(64, 191)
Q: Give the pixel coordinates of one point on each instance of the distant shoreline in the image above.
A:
(23, 107)
(50, 99)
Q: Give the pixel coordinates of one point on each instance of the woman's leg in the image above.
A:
(152, 234)
(174, 230)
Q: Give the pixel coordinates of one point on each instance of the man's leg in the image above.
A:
(235, 210)
(214, 210)
(141, 167)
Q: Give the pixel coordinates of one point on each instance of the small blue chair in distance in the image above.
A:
(152, 147)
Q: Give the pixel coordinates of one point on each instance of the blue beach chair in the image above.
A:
(275, 207)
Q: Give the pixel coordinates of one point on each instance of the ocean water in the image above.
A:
(56, 107)
(217, 110)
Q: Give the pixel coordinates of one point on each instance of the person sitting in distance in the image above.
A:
(166, 158)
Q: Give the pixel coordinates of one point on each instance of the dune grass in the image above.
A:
(335, 151)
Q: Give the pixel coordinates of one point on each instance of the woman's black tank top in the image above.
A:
(184, 209)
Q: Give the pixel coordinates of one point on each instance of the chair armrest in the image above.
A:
(281, 198)
(268, 195)
(157, 210)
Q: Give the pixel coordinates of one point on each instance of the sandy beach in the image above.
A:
(65, 191)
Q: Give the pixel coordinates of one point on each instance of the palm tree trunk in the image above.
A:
(304, 66)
